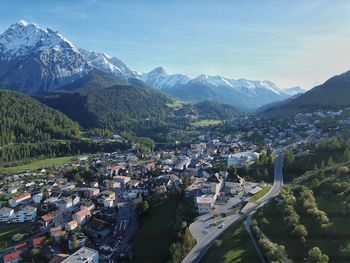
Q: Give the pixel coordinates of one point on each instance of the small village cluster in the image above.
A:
(90, 204)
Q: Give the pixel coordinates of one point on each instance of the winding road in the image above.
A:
(205, 239)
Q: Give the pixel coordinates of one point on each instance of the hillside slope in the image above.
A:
(94, 80)
(24, 120)
(334, 93)
(116, 108)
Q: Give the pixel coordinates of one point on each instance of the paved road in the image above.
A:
(248, 226)
(209, 234)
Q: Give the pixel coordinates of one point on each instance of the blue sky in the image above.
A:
(288, 42)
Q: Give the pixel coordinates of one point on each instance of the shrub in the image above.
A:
(343, 170)
(217, 243)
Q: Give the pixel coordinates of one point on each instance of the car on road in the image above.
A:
(221, 226)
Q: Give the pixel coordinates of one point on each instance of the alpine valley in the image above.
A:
(100, 162)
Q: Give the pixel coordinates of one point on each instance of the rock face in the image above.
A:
(34, 59)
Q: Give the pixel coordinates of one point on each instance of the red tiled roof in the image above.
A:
(38, 241)
(11, 256)
(83, 212)
(22, 196)
(47, 217)
(20, 246)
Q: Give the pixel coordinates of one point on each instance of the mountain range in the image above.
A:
(33, 59)
(242, 93)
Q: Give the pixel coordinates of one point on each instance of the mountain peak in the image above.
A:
(41, 58)
(22, 23)
(158, 70)
(22, 39)
(294, 90)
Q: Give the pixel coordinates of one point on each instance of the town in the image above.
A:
(89, 209)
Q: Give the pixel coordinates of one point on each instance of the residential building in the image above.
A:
(88, 204)
(82, 216)
(45, 220)
(67, 202)
(108, 203)
(54, 230)
(204, 204)
(107, 195)
(216, 183)
(91, 192)
(6, 214)
(12, 190)
(37, 242)
(83, 255)
(183, 164)
(123, 180)
(28, 213)
(38, 197)
(115, 170)
(11, 258)
(241, 159)
(58, 218)
(71, 225)
(111, 184)
(234, 183)
(18, 199)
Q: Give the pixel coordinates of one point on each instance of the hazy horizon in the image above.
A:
(291, 43)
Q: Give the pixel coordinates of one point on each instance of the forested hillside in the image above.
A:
(31, 130)
(25, 120)
(120, 107)
(143, 111)
(214, 110)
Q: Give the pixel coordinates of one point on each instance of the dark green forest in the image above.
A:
(117, 108)
(24, 120)
(31, 130)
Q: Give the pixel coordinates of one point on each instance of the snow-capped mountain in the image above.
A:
(109, 64)
(294, 91)
(158, 78)
(33, 59)
(241, 92)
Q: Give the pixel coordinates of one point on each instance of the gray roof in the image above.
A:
(82, 255)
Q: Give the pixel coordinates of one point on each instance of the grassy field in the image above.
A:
(6, 233)
(265, 189)
(206, 123)
(57, 162)
(236, 247)
(152, 241)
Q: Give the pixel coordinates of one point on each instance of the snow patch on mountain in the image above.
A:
(160, 79)
(23, 39)
(294, 91)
